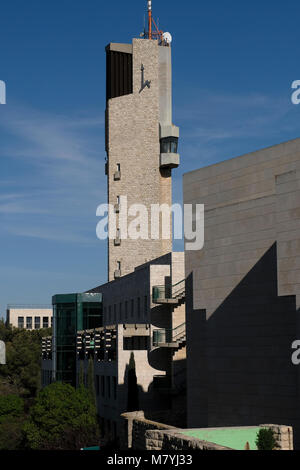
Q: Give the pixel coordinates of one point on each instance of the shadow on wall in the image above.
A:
(157, 404)
(239, 360)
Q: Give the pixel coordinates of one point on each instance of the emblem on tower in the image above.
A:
(144, 83)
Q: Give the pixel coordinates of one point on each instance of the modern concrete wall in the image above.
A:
(243, 291)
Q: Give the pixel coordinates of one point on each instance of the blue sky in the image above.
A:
(233, 65)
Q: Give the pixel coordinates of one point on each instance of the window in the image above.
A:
(102, 386)
(119, 265)
(139, 307)
(118, 199)
(135, 343)
(20, 322)
(118, 167)
(132, 307)
(29, 323)
(45, 322)
(51, 321)
(37, 322)
(169, 145)
(115, 388)
(145, 306)
(108, 386)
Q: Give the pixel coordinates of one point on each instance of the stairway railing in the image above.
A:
(168, 292)
(167, 335)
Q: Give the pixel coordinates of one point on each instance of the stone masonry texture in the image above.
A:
(243, 287)
(133, 142)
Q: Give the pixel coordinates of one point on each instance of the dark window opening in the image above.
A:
(169, 145)
(119, 79)
(136, 343)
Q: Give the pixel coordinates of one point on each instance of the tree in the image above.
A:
(62, 418)
(10, 406)
(81, 375)
(21, 374)
(265, 439)
(11, 435)
(11, 422)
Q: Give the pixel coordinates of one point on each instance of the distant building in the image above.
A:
(29, 317)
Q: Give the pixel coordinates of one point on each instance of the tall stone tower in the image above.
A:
(141, 142)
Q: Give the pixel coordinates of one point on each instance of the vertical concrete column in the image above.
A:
(126, 434)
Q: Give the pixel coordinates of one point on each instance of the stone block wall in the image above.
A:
(282, 434)
(174, 440)
(134, 430)
(243, 291)
(140, 433)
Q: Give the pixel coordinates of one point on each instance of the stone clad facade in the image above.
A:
(133, 147)
(243, 291)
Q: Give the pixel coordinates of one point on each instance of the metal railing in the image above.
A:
(168, 292)
(178, 332)
(167, 335)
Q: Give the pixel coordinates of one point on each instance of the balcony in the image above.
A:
(167, 338)
(169, 294)
(169, 160)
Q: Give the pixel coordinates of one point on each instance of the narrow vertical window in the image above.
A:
(139, 307)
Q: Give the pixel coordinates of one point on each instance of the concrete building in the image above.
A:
(243, 291)
(140, 334)
(29, 317)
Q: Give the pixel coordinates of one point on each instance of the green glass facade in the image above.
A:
(72, 313)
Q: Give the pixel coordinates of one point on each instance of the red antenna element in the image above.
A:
(155, 34)
(150, 18)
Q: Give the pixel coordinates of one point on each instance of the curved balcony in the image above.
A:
(169, 294)
(167, 338)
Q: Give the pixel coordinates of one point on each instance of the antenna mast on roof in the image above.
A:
(150, 18)
(152, 34)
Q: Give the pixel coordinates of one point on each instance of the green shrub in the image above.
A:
(11, 406)
(62, 418)
(265, 439)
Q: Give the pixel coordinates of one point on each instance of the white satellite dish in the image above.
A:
(167, 37)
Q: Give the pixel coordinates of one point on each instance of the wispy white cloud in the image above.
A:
(61, 176)
(52, 234)
(217, 116)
